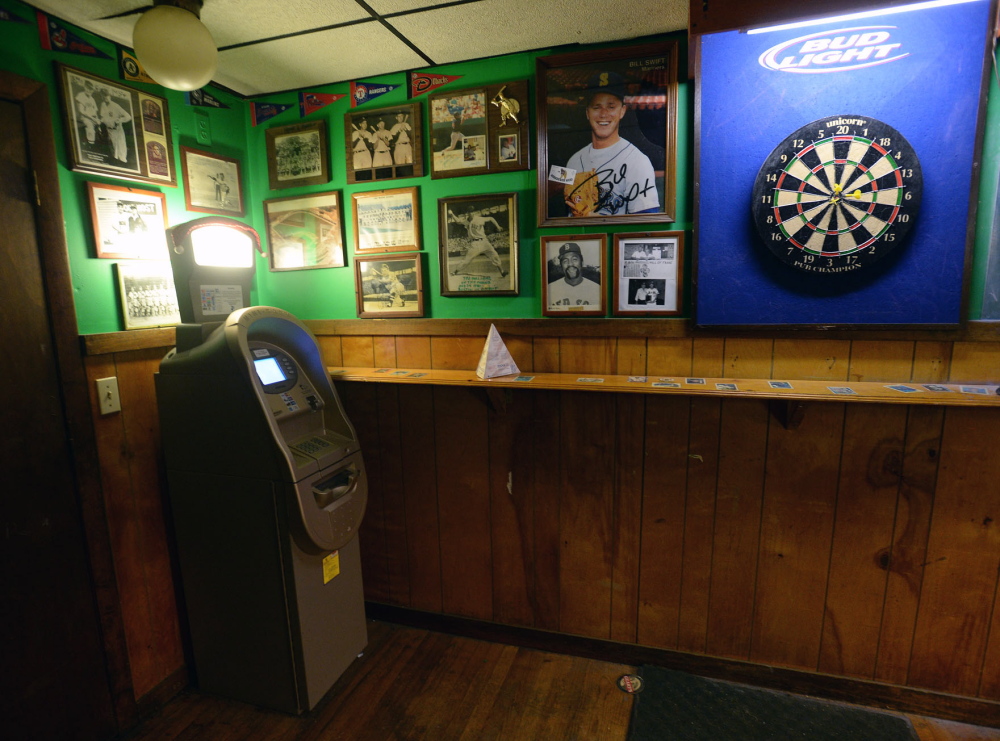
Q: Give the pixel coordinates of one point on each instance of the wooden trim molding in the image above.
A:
(33, 96)
(858, 691)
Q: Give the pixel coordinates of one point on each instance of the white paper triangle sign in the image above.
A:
(496, 359)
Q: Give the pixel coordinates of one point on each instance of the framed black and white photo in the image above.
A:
(114, 130)
(479, 130)
(212, 183)
(305, 232)
(573, 275)
(297, 155)
(384, 144)
(148, 298)
(478, 242)
(128, 223)
(386, 220)
(648, 273)
(607, 129)
(389, 286)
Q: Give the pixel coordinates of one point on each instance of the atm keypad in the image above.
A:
(312, 445)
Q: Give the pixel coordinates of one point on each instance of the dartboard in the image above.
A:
(837, 195)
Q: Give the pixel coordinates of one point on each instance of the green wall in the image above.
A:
(328, 293)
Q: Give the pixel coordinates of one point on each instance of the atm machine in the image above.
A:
(267, 489)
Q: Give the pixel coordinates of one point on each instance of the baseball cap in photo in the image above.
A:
(570, 247)
(608, 82)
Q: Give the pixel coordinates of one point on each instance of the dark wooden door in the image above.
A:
(54, 682)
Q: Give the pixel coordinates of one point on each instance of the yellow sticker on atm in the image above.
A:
(331, 567)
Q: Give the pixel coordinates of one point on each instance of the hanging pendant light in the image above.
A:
(174, 46)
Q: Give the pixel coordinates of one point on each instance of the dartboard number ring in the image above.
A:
(838, 195)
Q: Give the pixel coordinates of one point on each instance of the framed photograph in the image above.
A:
(648, 273)
(607, 136)
(128, 222)
(479, 130)
(297, 155)
(212, 183)
(115, 131)
(573, 270)
(389, 286)
(148, 298)
(386, 220)
(384, 144)
(305, 232)
(478, 243)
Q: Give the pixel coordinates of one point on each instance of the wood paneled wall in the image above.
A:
(862, 543)
(133, 480)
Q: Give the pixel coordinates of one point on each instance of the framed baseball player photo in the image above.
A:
(478, 242)
(648, 273)
(479, 130)
(384, 144)
(389, 286)
(607, 136)
(573, 275)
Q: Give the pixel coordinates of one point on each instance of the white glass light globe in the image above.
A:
(175, 48)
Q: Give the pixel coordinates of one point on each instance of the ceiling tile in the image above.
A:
(313, 60)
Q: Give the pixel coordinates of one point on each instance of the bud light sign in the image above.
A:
(835, 51)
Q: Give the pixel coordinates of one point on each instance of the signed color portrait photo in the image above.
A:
(606, 136)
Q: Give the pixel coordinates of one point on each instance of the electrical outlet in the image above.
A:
(107, 395)
(203, 128)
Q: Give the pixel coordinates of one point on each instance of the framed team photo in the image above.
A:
(128, 223)
(478, 242)
(573, 275)
(607, 130)
(479, 130)
(148, 298)
(386, 220)
(648, 273)
(384, 144)
(389, 286)
(297, 155)
(212, 183)
(114, 130)
(305, 232)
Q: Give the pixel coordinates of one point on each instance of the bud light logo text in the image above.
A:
(835, 51)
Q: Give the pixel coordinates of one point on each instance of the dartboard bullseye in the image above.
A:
(837, 195)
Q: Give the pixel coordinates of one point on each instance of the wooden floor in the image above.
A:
(415, 684)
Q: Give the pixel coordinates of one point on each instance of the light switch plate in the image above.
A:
(107, 395)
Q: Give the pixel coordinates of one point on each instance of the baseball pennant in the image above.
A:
(54, 36)
(6, 15)
(203, 99)
(309, 102)
(130, 68)
(421, 83)
(362, 92)
(261, 112)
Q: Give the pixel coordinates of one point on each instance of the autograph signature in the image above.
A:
(608, 200)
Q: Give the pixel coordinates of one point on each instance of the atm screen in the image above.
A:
(268, 371)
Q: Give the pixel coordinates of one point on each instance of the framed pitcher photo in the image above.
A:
(573, 275)
(607, 131)
(389, 286)
(648, 273)
(297, 155)
(478, 245)
(479, 130)
(114, 130)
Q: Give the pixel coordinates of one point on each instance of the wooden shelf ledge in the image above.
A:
(943, 394)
